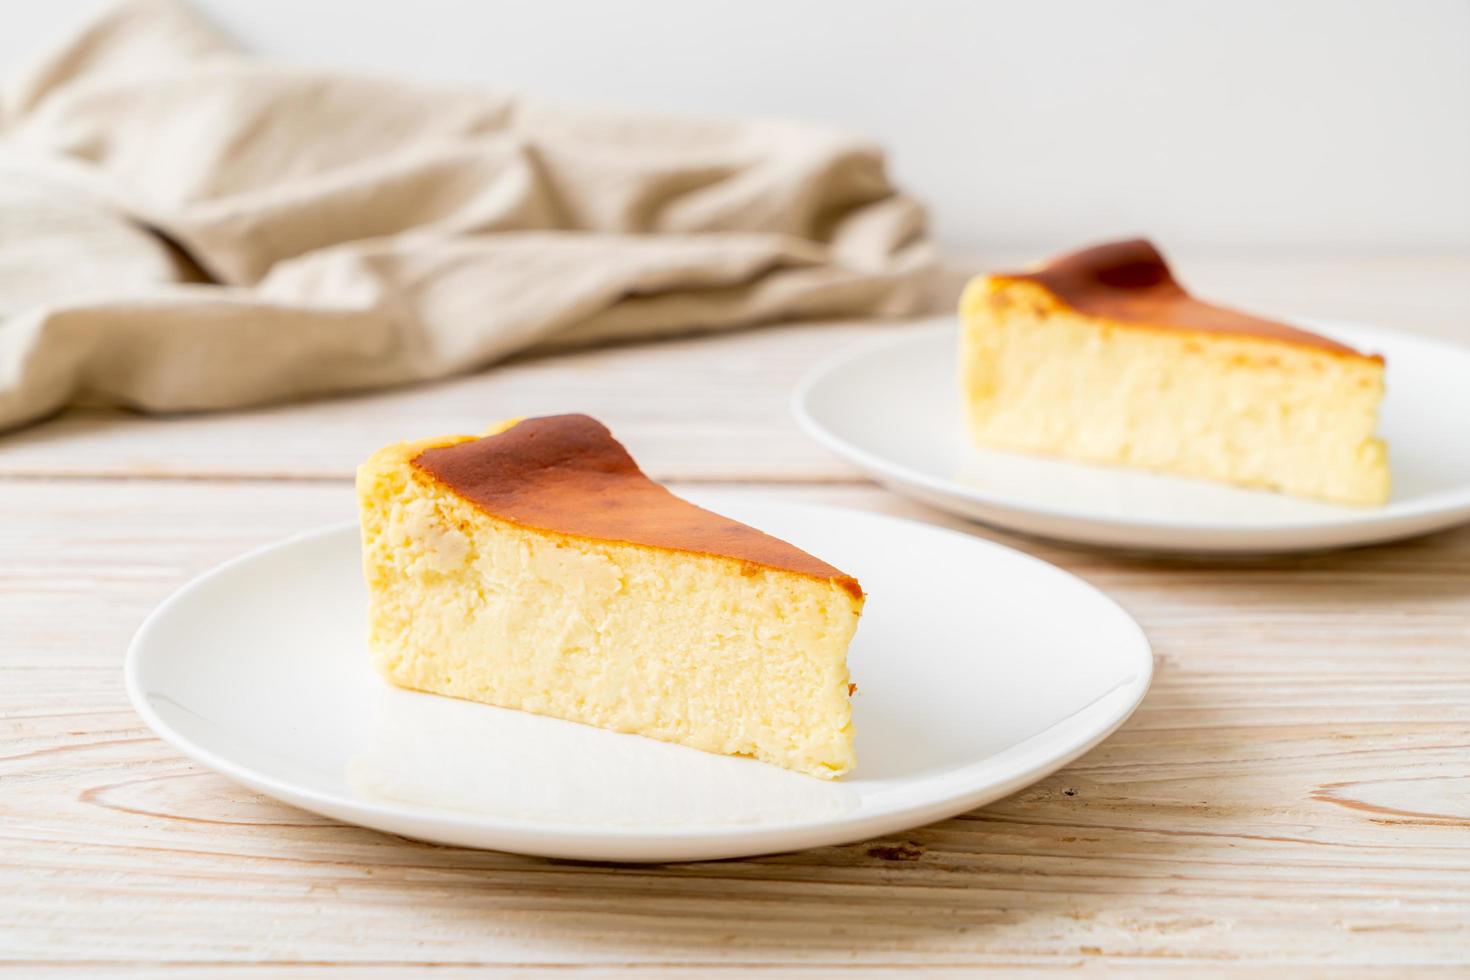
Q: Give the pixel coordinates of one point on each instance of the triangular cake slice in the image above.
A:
(537, 567)
(1100, 355)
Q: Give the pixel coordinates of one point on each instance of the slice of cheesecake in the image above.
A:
(1102, 356)
(536, 567)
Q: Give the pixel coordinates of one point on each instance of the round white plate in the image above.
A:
(980, 670)
(893, 409)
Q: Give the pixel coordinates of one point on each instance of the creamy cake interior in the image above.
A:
(1102, 356)
(538, 568)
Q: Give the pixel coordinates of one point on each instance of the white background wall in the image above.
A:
(1337, 125)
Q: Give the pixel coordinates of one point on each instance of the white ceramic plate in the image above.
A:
(980, 670)
(893, 408)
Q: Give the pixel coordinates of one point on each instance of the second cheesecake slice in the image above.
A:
(1102, 356)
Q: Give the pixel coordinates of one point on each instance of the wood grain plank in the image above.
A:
(711, 408)
(1293, 791)
(696, 408)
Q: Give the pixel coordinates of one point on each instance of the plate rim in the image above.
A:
(601, 842)
(928, 329)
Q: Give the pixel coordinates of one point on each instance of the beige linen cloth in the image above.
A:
(183, 227)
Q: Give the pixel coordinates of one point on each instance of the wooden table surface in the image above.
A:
(1294, 791)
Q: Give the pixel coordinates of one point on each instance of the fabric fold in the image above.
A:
(183, 227)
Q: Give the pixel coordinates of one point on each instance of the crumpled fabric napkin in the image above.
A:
(184, 227)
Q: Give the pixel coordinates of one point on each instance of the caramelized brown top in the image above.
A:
(567, 474)
(1130, 281)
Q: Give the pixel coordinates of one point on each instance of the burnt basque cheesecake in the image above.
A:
(1100, 355)
(536, 567)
